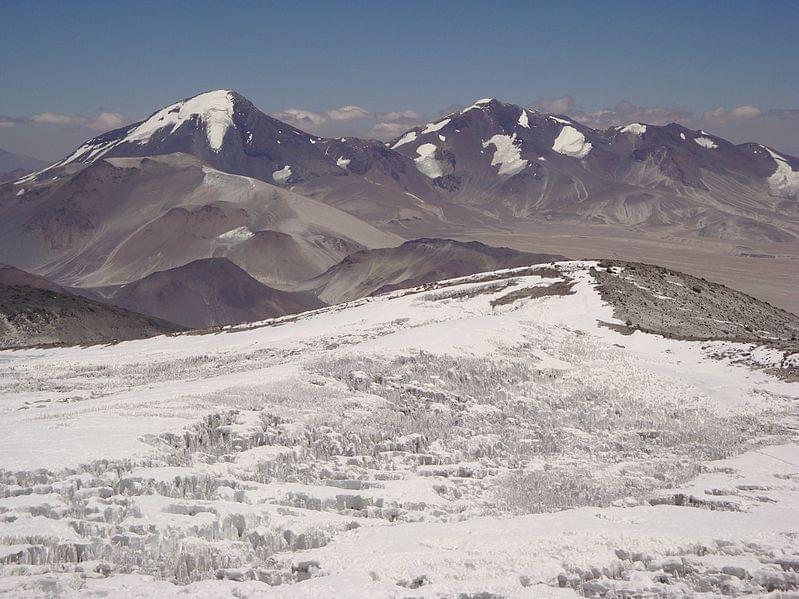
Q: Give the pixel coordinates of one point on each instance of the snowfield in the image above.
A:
(491, 436)
(570, 142)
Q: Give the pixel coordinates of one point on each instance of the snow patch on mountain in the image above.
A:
(426, 161)
(282, 175)
(433, 127)
(343, 162)
(784, 182)
(523, 120)
(634, 128)
(570, 142)
(507, 154)
(405, 139)
(215, 110)
(236, 235)
(560, 120)
(706, 142)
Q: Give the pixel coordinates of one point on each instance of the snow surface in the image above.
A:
(405, 139)
(426, 161)
(634, 128)
(784, 182)
(524, 121)
(342, 162)
(706, 142)
(570, 142)
(236, 235)
(214, 109)
(507, 154)
(432, 127)
(282, 175)
(465, 439)
(479, 104)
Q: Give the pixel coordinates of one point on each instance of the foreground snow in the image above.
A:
(471, 437)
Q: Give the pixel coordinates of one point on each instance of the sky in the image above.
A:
(71, 70)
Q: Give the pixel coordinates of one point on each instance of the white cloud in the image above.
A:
(401, 115)
(351, 120)
(105, 121)
(722, 116)
(304, 119)
(347, 113)
(388, 130)
(108, 121)
(55, 118)
(625, 112)
(560, 105)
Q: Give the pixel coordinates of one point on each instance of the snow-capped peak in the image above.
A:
(479, 104)
(215, 109)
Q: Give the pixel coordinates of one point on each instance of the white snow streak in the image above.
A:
(405, 139)
(706, 142)
(432, 127)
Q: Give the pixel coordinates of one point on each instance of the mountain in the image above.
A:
(519, 163)
(204, 293)
(515, 434)
(118, 220)
(15, 277)
(213, 176)
(490, 163)
(13, 166)
(414, 263)
(34, 311)
(228, 133)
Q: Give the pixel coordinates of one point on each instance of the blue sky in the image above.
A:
(82, 59)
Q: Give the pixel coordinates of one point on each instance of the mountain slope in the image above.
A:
(413, 263)
(205, 293)
(117, 220)
(13, 166)
(41, 316)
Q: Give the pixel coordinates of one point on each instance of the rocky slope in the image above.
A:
(204, 293)
(412, 264)
(40, 316)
